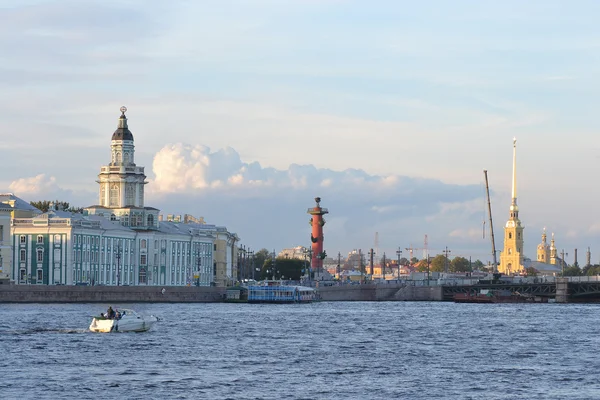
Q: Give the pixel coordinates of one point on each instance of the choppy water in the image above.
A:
(319, 351)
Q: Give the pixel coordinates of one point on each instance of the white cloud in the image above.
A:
(36, 185)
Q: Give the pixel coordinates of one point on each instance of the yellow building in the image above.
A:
(543, 250)
(511, 258)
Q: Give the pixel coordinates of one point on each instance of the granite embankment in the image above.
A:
(192, 294)
(103, 294)
(382, 292)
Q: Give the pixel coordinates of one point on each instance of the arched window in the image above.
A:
(509, 235)
(102, 194)
(114, 195)
(125, 157)
(118, 157)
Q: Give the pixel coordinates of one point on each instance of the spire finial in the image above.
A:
(123, 110)
(514, 177)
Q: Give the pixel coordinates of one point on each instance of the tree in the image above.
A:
(260, 257)
(284, 268)
(477, 265)
(438, 263)
(460, 264)
(530, 271)
(414, 260)
(404, 261)
(421, 266)
(44, 206)
(573, 270)
(591, 270)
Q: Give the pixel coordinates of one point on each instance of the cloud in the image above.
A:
(44, 187)
(36, 185)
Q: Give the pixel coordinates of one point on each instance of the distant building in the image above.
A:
(119, 241)
(512, 260)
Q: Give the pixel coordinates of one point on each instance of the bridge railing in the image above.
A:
(594, 278)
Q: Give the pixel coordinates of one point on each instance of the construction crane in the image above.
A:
(487, 191)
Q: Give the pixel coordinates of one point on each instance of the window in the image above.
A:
(22, 239)
(40, 239)
(142, 276)
(143, 244)
(143, 259)
(23, 255)
(509, 236)
(114, 195)
(519, 235)
(56, 239)
(150, 220)
(215, 246)
(56, 255)
(1, 233)
(40, 256)
(155, 259)
(40, 276)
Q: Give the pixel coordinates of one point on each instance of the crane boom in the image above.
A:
(487, 191)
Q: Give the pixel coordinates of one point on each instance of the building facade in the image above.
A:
(120, 241)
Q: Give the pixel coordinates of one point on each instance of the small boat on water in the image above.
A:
(127, 321)
(277, 292)
(497, 296)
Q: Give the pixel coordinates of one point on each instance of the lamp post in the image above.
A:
(399, 253)
(118, 256)
(199, 264)
(273, 262)
(427, 269)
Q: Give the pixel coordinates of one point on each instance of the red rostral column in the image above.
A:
(317, 221)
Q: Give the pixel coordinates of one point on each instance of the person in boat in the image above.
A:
(102, 315)
(118, 315)
(110, 313)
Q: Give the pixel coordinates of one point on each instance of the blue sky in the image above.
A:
(388, 110)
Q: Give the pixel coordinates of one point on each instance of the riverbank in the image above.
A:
(109, 294)
(193, 294)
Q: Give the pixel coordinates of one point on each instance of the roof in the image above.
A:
(122, 132)
(542, 267)
(19, 204)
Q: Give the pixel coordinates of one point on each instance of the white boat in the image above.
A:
(129, 321)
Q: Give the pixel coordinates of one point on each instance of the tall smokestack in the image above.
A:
(575, 258)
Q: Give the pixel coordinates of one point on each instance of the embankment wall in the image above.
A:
(386, 292)
(104, 294)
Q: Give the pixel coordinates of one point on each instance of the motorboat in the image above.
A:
(126, 321)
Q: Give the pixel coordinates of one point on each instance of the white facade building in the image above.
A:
(120, 241)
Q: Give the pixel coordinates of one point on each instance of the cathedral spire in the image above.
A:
(514, 177)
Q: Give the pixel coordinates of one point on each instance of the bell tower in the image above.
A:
(543, 250)
(511, 258)
(121, 196)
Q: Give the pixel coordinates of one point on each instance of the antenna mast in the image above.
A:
(487, 191)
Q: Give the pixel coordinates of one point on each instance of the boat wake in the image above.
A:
(33, 331)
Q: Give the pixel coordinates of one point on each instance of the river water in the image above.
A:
(327, 350)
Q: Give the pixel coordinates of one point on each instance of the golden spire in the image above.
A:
(514, 177)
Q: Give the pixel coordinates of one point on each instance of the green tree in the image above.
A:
(530, 271)
(260, 257)
(421, 266)
(284, 268)
(478, 265)
(414, 260)
(573, 270)
(44, 206)
(591, 270)
(460, 264)
(438, 263)
(404, 261)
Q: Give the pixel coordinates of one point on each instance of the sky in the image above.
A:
(244, 111)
